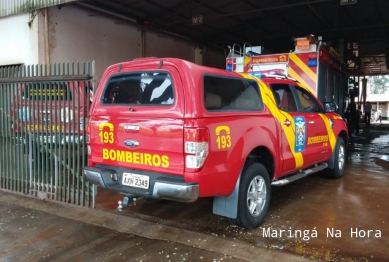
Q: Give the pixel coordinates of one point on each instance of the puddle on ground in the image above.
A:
(382, 162)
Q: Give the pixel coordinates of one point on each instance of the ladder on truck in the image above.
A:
(239, 59)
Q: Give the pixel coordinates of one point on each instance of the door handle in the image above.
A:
(287, 122)
(311, 122)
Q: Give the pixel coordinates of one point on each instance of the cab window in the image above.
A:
(307, 100)
(231, 94)
(283, 97)
(146, 88)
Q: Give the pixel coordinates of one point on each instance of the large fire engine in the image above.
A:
(311, 63)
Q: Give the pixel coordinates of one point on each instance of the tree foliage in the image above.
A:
(379, 85)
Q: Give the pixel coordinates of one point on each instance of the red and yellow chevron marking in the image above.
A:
(299, 70)
(247, 64)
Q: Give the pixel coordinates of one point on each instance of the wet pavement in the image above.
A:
(315, 218)
(38, 230)
(33, 235)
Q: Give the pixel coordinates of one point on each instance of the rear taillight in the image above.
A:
(196, 145)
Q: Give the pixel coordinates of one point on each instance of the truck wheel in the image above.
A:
(339, 155)
(254, 196)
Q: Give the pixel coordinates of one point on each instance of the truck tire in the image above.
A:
(254, 196)
(339, 156)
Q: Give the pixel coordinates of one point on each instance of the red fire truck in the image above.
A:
(311, 63)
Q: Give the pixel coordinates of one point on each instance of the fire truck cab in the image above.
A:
(311, 63)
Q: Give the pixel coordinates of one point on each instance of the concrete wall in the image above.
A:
(18, 40)
(76, 35)
(160, 45)
(214, 57)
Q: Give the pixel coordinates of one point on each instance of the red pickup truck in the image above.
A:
(170, 129)
(53, 112)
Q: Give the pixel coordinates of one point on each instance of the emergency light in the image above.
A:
(229, 66)
(312, 62)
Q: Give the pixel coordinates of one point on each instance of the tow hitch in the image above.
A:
(127, 201)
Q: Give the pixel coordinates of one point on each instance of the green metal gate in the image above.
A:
(43, 114)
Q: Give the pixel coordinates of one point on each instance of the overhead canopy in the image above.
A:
(362, 25)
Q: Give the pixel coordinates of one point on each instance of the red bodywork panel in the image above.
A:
(151, 138)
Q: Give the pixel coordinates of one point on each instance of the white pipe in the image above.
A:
(107, 12)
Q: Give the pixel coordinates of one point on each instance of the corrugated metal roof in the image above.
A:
(12, 7)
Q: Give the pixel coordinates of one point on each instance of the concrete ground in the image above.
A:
(38, 230)
(324, 219)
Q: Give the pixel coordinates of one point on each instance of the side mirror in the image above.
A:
(330, 107)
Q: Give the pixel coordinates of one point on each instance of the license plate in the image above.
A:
(135, 180)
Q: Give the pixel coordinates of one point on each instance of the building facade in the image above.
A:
(68, 32)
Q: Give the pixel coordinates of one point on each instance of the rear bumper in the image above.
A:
(161, 186)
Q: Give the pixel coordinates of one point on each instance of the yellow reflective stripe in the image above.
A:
(289, 132)
(303, 66)
(330, 132)
(247, 60)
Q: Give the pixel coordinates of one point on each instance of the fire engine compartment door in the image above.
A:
(138, 123)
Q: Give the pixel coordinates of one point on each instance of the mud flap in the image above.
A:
(227, 206)
(331, 161)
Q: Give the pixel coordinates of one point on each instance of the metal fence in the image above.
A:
(43, 113)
